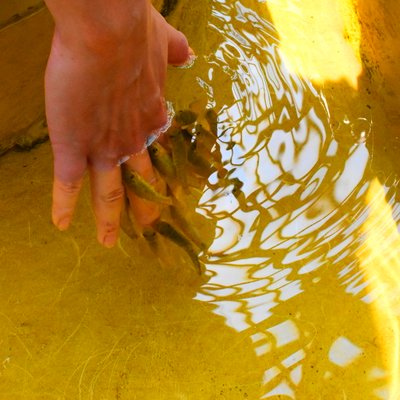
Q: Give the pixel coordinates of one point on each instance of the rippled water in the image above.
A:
(305, 258)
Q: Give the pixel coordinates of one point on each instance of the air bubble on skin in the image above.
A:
(189, 63)
(122, 160)
(158, 132)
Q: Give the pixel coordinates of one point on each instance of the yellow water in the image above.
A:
(300, 299)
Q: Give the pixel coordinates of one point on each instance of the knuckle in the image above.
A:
(114, 196)
(70, 188)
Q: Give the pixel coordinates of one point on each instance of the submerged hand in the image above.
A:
(103, 98)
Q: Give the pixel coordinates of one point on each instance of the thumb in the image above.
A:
(179, 52)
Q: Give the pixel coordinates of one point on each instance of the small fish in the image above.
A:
(151, 237)
(186, 227)
(142, 188)
(167, 230)
(187, 136)
(185, 117)
(162, 160)
(201, 165)
(206, 138)
(212, 119)
(179, 155)
(126, 222)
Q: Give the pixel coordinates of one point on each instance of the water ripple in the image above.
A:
(294, 224)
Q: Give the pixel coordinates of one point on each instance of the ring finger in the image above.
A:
(144, 211)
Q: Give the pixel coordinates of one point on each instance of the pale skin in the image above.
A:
(104, 95)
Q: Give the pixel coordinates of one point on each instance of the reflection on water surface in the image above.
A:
(290, 264)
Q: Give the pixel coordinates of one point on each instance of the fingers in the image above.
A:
(179, 52)
(107, 197)
(68, 176)
(145, 212)
(65, 196)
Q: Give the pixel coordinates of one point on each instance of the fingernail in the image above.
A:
(189, 62)
(110, 240)
(191, 59)
(63, 224)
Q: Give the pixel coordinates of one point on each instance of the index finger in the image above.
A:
(69, 171)
(65, 196)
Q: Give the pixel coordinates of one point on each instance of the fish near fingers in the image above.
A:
(201, 165)
(126, 222)
(179, 155)
(186, 227)
(167, 230)
(212, 119)
(135, 182)
(150, 235)
(185, 117)
(162, 160)
(205, 137)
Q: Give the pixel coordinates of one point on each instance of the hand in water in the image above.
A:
(103, 99)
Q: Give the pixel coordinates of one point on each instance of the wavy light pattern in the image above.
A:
(298, 225)
(380, 260)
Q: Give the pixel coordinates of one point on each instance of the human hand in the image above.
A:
(104, 96)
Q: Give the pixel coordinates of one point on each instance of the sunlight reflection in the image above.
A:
(343, 352)
(319, 40)
(283, 266)
(380, 259)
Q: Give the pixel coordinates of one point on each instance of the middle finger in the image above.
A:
(107, 197)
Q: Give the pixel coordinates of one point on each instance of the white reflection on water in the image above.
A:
(343, 352)
(300, 208)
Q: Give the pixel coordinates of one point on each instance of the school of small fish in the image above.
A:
(184, 160)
